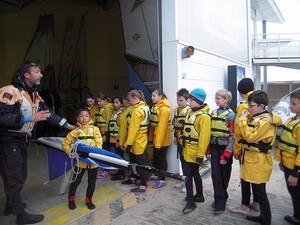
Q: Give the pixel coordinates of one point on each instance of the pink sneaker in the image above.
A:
(242, 209)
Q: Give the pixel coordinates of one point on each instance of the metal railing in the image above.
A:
(276, 46)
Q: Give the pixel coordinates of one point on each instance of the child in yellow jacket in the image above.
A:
(137, 140)
(160, 133)
(195, 140)
(258, 133)
(288, 153)
(90, 135)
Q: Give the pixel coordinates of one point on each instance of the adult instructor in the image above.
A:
(20, 108)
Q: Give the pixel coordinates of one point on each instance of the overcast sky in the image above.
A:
(290, 10)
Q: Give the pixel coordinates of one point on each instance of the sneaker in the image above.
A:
(291, 219)
(152, 178)
(128, 181)
(189, 207)
(118, 177)
(255, 219)
(179, 185)
(90, 205)
(27, 218)
(254, 205)
(72, 205)
(196, 198)
(103, 174)
(218, 211)
(240, 209)
(138, 190)
(159, 184)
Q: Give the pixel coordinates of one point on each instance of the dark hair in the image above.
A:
(295, 94)
(89, 95)
(102, 96)
(82, 110)
(26, 66)
(183, 93)
(259, 97)
(160, 92)
(120, 98)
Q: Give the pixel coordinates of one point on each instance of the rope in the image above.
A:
(73, 155)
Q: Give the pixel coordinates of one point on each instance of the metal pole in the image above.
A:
(265, 68)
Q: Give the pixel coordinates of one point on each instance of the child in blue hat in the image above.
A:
(195, 140)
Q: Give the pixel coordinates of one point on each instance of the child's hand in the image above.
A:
(244, 114)
(223, 162)
(292, 181)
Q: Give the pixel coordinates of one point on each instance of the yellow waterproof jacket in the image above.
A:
(103, 116)
(288, 159)
(237, 147)
(178, 121)
(88, 130)
(93, 111)
(113, 126)
(123, 122)
(202, 125)
(137, 135)
(256, 167)
(160, 131)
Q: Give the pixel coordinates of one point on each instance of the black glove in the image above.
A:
(199, 161)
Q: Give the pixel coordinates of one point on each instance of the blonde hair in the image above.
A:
(136, 93)
(224, 94)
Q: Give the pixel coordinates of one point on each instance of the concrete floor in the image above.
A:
(117, 206)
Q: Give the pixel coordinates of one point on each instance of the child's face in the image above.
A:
(181, 101)
(155, 97)
(255, 108)
(295, 105)
(117, 104)
(83, 118)
(133, 100)
(89, 102)
(101, 102)
(126, 102)
(220, 101)
(194, 104)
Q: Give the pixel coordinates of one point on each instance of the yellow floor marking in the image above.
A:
(129, 200)
(60, 214)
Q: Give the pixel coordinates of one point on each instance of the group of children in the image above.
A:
(248, 135)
